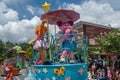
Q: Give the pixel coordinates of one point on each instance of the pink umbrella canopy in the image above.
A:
(60, 15)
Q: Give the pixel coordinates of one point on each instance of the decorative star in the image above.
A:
(84, 66)
(53, 78)
(67, 78)
(80, 70)
(45, 70)
(39, 71)
(46, 6)
(39, 79)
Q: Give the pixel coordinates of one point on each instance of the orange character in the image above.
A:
(40, 44)
(10, 71)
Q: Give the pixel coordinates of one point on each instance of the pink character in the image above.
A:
(68, 45)
(109, 73)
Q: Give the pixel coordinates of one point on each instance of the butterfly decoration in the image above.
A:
(60, 71)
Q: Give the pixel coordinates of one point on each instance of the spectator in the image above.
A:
(109, 73)
(4, 64)
(93, 68)
(100, 62)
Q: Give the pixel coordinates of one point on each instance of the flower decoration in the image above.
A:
(68, 78)
(60, 71)
(47, 79)
(80, 70)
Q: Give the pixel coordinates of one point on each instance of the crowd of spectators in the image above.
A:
(101, 70)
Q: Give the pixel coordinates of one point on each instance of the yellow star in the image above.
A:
(46, 6)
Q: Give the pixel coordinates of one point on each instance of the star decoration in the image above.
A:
(80, 70)
(67, 78)
(84, 66)
(53, 78)
(45, 70)
(39, 71)
(46, 6)
(39, 79)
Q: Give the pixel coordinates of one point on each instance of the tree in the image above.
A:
(29, 52)
(110, 42)
(2, 51)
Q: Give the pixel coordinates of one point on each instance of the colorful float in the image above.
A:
(9, 64)
(21, 59)
(61, 56)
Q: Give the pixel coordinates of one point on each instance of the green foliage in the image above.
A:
(29, 53)
(2, 51)
(93, 49)
(6, 46)
(110, 42)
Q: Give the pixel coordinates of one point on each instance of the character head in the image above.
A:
(65, 25)
(41, 29)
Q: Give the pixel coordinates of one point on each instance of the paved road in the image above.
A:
(20, 76)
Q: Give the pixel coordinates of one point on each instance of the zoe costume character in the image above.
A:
(68, 45)
(10, 71)
(40, 43)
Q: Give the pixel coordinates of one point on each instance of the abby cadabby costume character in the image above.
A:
(68, 44)
(40, 43)
(56, 70)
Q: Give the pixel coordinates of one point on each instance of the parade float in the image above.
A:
(11, 56)
(61, 56)
(21, 59)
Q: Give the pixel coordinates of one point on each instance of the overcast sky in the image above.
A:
(18, 18)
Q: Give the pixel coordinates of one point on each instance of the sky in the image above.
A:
(18, 18)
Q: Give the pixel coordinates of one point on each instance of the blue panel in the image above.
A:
(71, 71)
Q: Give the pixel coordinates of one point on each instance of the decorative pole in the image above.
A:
(46, 8)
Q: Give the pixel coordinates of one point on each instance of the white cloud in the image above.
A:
(20, 31)
(101, 13)
(7, 14)
(15, 30)
(34, 10)
(12, 1)
(30, 9)
(113, 3)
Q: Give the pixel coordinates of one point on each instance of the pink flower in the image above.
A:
(67, 78)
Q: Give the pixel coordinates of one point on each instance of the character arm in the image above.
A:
(75, 31)
(32, 41)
